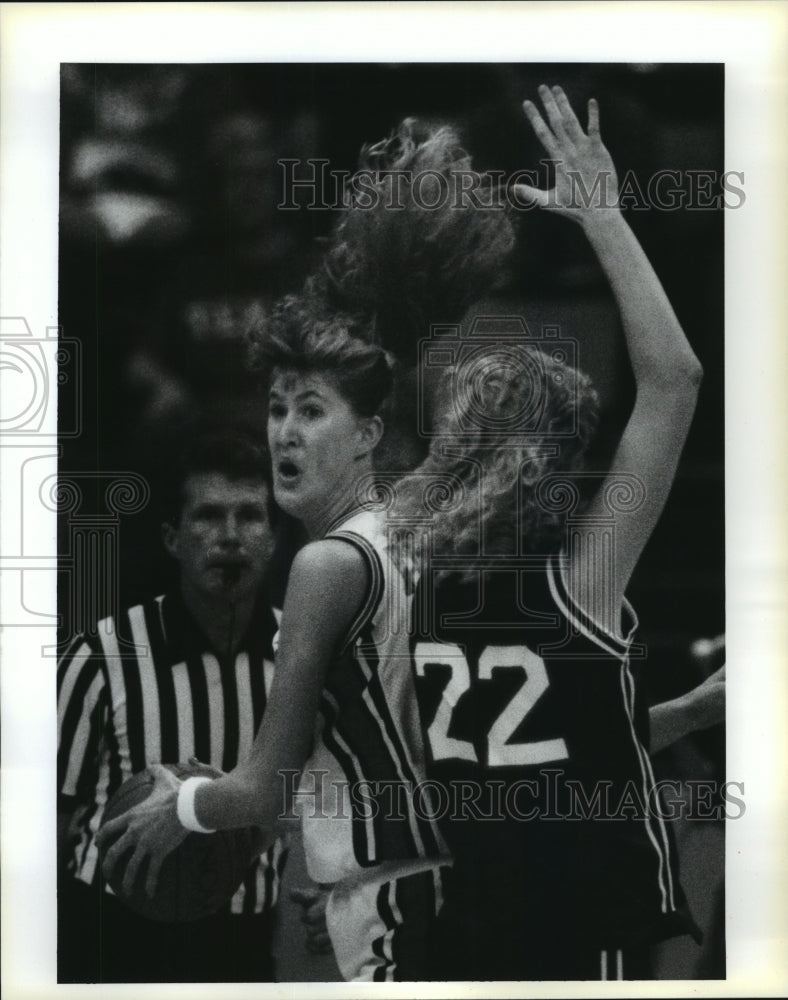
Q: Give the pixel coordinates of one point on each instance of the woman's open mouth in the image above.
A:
(287, 471)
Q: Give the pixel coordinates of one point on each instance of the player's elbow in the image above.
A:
(677, 381)
(672, 397)
(687, 384)
(684, 373)
(692, 373)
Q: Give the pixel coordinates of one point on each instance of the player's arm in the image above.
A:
(698, 709)
(667, 373)
(326, 588)
(325, 591)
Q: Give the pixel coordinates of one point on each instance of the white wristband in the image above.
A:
(186, 813)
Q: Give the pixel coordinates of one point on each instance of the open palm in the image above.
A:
(585, 177)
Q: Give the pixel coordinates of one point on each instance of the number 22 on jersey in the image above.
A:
(500, 753)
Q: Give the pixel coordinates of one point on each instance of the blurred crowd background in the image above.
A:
(172, 245)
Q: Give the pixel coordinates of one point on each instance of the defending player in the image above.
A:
(564, 867)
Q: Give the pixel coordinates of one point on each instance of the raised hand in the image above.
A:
(585, 177)
(150, 831)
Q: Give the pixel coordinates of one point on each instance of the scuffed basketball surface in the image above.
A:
(200, 875)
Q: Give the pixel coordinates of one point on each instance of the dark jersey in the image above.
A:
(542, 784)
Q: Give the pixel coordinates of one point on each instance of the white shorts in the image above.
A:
(380, 923)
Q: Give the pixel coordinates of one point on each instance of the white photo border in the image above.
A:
(750, 39)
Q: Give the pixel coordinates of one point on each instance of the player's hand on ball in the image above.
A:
(585, 177)
(208, 770)
(160, 870)
(150, 831)
(313, 901)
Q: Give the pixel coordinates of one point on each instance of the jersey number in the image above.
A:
(500, 753)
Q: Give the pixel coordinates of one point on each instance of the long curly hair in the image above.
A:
(494, 444)
(419, 240)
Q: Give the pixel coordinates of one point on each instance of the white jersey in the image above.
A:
(366, 829)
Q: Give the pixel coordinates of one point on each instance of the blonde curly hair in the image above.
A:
(494, 444)
(413, 248)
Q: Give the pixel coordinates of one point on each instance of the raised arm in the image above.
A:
(667, 373)
(325, 590)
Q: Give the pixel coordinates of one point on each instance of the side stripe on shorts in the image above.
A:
(611, 964)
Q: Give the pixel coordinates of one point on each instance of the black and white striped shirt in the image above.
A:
(168, 699)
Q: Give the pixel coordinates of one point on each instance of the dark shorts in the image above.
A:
(465, 947)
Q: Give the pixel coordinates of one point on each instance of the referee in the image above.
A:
(195, 686)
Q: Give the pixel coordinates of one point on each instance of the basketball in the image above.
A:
(200, 875)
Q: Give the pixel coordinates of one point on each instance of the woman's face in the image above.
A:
(316, 441)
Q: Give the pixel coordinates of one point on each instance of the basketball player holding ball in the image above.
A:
(342, 706)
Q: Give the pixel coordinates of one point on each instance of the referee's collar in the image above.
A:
(185, 636)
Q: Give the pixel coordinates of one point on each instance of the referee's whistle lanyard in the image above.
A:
(229, 655)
